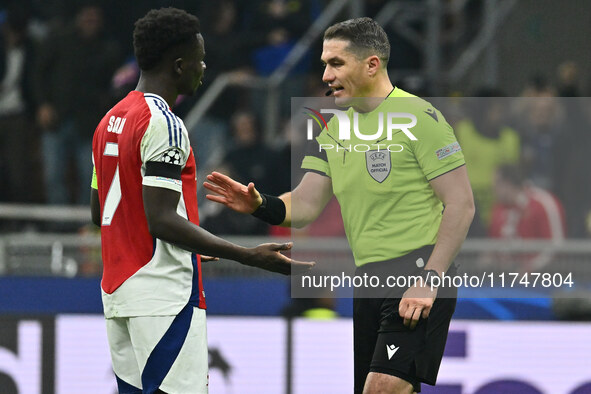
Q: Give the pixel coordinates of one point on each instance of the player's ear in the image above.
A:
(373, 65)
(178, 66)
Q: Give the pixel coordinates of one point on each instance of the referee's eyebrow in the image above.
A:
(332, 60)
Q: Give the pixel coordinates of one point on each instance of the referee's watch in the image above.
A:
(428, 277)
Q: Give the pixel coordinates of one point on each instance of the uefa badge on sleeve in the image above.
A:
(378, 164)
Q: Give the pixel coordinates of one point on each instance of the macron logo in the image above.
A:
(391, 349)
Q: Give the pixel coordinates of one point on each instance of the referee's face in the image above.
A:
(345, 74)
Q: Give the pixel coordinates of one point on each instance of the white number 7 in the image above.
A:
(114, 194)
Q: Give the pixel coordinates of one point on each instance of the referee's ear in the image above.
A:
(373, 65)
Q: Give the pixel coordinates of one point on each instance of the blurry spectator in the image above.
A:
(18, 145)
(487, 141)
(573, 165)
(223, 35)
(75, 69)
(569, 84)
(538, 86)
(541, 122)
(570, 149)
(279, 25)
(524, 211)
(125, 78)
(248, 160)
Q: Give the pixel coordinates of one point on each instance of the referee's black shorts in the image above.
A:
(381, 341)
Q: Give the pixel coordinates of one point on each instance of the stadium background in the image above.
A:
(259, 54)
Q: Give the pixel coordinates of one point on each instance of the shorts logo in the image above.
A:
(378, 164)
(391, 349)
(448, 150)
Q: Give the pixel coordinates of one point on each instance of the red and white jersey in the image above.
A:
(142, 275)
(539, 214)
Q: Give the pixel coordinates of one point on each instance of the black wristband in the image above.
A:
(428, 276)
(272, 210)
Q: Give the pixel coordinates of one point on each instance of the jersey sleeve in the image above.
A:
(436, 149)
(316, 159)
(164, 152)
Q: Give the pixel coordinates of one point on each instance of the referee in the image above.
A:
(392, 206)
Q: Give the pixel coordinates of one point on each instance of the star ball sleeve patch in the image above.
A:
(158, 147)
(172, 156)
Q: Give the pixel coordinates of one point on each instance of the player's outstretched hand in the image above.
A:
(234, 195)
(268, 257)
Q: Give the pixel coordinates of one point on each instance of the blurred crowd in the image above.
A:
(64, 63)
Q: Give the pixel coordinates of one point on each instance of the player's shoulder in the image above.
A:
(165, 130)
(161, 114)
(158, 108)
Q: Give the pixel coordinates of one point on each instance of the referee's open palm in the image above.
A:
(234, 195)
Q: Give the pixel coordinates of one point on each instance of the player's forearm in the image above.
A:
(455, 223)
(178, 231)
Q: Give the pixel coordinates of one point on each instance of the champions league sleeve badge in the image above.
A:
(378, 164)
(172, 156)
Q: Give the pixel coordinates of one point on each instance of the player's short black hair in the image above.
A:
(161, 30)
(366, 37)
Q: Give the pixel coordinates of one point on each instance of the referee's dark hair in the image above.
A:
(163, 33)
(366, 37)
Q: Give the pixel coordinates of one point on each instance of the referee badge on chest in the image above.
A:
(378, 164)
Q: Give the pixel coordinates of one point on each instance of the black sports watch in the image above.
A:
(429, 275)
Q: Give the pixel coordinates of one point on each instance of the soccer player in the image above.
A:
(525, 211)
(392, 207)
(144, 198)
